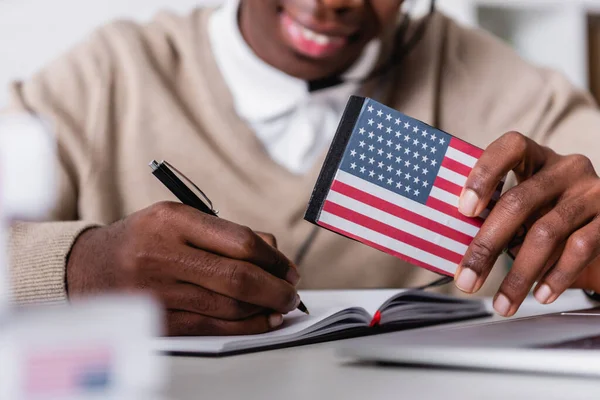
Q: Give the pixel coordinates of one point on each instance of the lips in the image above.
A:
(308, 42)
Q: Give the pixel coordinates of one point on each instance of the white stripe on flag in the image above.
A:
(444, 196)
(461, 157)
(452, 176)
(387, 242)
(398, 223)
(404, 202)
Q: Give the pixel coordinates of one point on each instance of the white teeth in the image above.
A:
(322, 39)
(308, 34)
(314, 36)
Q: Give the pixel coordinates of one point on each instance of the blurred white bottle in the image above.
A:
(27, 180)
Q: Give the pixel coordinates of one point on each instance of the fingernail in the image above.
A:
(467, 204)
(292, 276)
(275, 320)
(502, 305)
(466, 280)
(543, 294)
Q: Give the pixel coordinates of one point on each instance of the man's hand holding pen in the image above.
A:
(214, 277)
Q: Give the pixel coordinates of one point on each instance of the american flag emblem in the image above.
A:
(393, 183)
(63, 372)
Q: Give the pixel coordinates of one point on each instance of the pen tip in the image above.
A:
(303, 308)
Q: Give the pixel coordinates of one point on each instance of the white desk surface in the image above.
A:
(316, 372)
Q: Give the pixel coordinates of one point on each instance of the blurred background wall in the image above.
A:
(562, 34)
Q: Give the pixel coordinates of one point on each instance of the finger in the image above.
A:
(198, 300)
(536, 254)
(183, 323)
(234, 241)
(269, 238)
(504, 221)
(582, 248)
(292, 276)
(512, 151)
(237, 279)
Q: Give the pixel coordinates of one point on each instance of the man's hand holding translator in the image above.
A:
(557, 199)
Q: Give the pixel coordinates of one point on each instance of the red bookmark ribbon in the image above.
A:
(376, 319)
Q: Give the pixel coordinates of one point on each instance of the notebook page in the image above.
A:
(321, 304)
(369, 299)
(294, 324)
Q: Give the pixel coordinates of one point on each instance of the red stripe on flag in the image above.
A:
(452, 211)
(392, 232)
(384, 249)
(456, 166)
(447, 186)
(400, 212)
(466, 148)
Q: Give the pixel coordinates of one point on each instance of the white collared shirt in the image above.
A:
(293, 124)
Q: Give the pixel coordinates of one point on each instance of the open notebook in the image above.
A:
(338, 315)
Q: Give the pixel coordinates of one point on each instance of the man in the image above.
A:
(245, 101)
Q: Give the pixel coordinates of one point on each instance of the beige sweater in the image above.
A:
(133, 93)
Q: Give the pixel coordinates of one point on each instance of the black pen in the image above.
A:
(164, 172)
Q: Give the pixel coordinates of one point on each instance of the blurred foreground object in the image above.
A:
(97, 348)
(27, 160)
(92, 349)
(27, 156)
